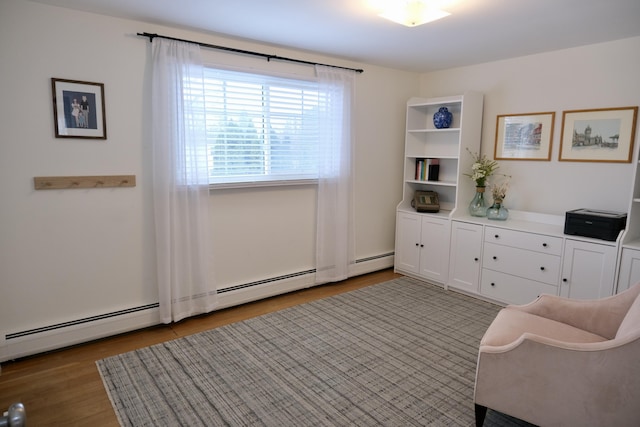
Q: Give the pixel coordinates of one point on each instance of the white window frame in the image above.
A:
(262, 180)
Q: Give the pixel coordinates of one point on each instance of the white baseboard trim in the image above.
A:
(266, 290)
(371, 264)
(13, 346)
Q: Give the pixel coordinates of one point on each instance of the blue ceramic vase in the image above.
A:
(442, 118)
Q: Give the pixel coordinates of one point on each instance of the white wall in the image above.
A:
(596, 76)
(69, 254)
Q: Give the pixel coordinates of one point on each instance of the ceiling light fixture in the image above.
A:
(411, 12)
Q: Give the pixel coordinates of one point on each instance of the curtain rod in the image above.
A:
(248, 52)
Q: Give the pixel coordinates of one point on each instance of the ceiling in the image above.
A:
(477, 31)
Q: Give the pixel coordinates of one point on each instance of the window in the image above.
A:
(260, 128)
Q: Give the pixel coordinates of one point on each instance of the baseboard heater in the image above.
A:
(375, 257)
(81, 321)
(31, 341)
(119, 313)
(265, 281)
(293, 275)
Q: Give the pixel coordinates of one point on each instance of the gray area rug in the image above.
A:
(399, 353)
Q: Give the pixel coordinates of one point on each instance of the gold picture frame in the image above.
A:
(526, 136)
(600, 135)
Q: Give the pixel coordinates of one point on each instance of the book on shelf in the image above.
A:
(427, 169)
(419, 169)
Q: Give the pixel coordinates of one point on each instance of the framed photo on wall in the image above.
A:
(602, 135)
(78, 109)
(524, 136)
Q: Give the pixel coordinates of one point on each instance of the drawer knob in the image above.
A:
(495, 257)
(565, 280)
(417, 244)
(422, 246)
(475, 259)
(493, 284)
(497, 236)
(542, 268)
(544, 245)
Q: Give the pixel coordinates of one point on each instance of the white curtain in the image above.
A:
(335, 234)
(180, 181)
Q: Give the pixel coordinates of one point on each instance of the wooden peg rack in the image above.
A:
(65, 182)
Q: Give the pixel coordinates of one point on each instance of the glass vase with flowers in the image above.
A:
(481, 169)
(497, 210)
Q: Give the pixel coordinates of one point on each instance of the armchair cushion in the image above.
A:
(511, 324)
(599, 316)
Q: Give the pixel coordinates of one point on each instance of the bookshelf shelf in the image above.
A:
(423, 238)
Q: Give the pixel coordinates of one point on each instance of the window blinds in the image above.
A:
(260, 127)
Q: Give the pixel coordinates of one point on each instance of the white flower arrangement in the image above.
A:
(481, 169)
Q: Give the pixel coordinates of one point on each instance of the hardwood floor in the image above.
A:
(65, 388)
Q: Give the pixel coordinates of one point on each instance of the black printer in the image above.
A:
(604, 225)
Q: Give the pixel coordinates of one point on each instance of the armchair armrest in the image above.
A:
(599, 316)
(547, 382)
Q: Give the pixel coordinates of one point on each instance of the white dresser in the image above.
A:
(514, 261)
(517, 266)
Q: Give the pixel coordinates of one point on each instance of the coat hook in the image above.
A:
(96, 181)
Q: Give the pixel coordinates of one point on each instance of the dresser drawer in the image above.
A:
(520, 239)
(511, 289)
(523, 263)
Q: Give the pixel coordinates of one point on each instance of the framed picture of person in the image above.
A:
(78, 109)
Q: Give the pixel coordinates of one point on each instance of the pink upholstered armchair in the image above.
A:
(563, 362)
